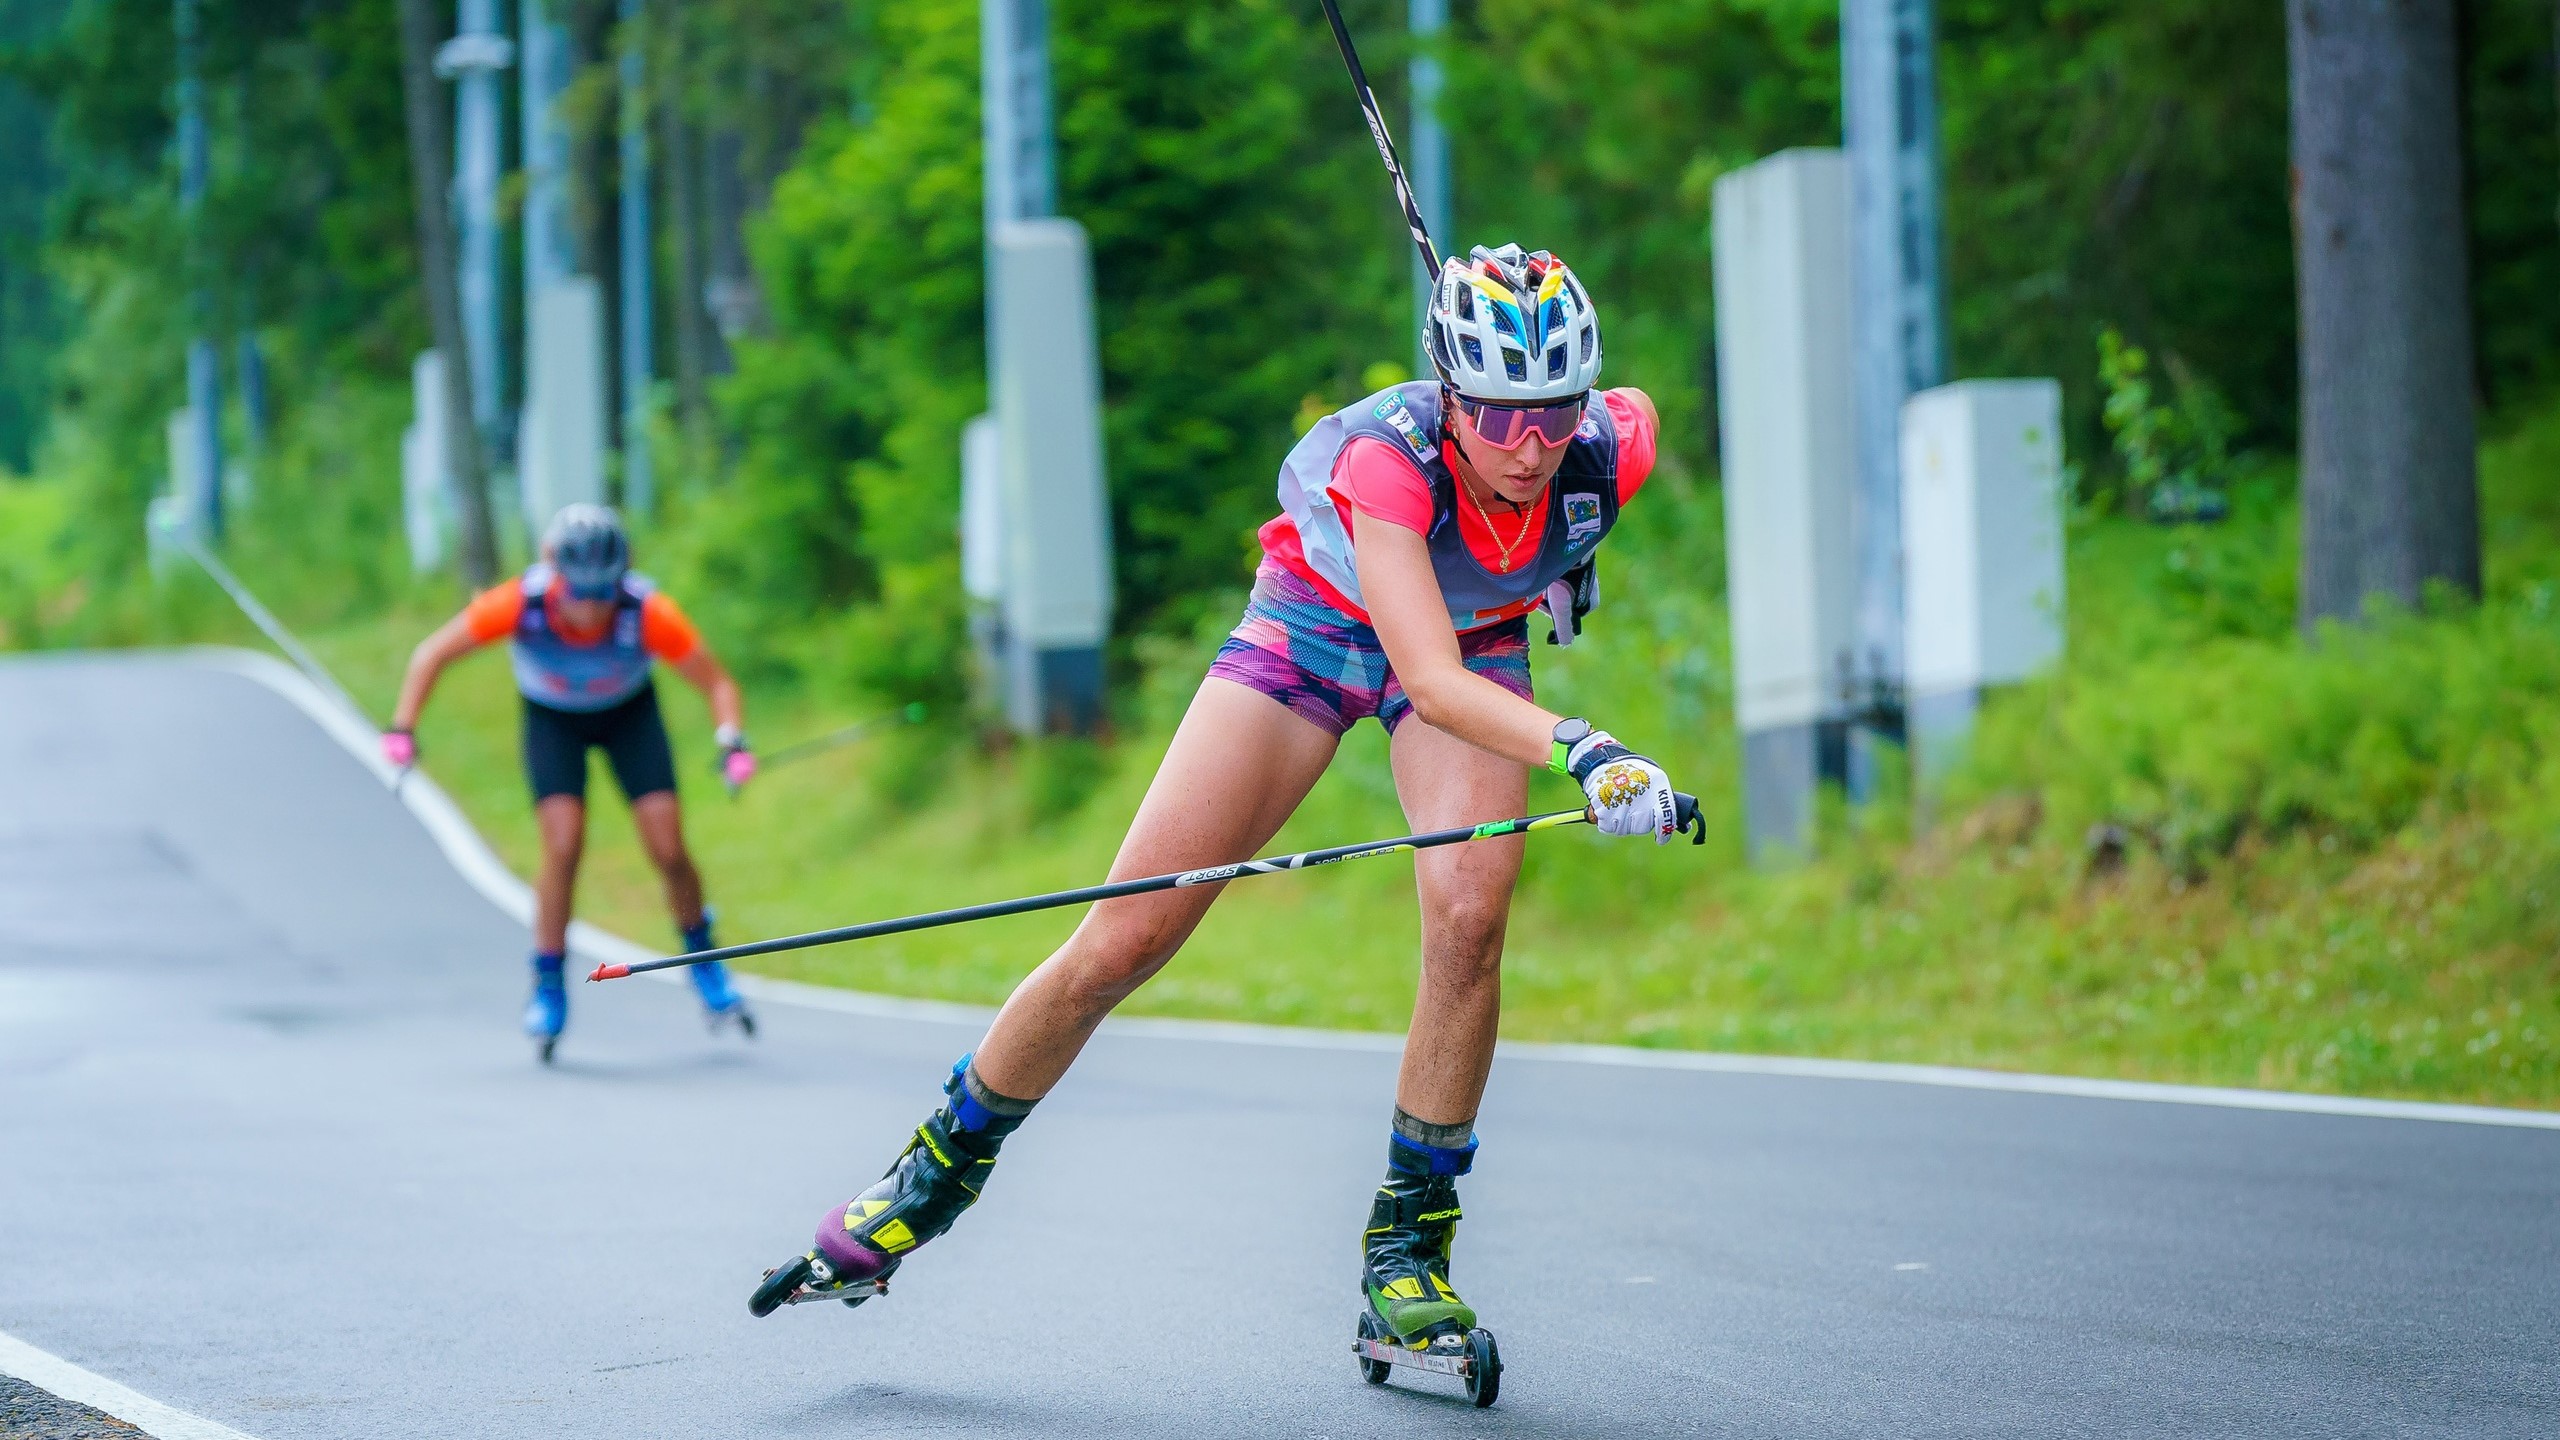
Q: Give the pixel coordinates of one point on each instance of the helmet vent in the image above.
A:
(1555, 363)
(1590, 338)
(1466, 302)
(1502, 321)
(1515, 364)
(1475, 352)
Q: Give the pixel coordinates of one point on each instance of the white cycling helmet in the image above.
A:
(1513, 328)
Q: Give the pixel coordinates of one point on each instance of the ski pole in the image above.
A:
(911, 714)
(1215, 874)
(1386, 144)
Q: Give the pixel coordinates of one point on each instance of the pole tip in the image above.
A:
(609, 972)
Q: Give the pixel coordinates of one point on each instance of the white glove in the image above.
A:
(1629, 794)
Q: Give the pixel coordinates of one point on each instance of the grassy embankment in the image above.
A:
(2341, 867)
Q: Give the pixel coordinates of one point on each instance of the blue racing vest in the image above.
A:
(553, 671)
(1582, 503)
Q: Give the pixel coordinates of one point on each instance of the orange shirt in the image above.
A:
(665, 630)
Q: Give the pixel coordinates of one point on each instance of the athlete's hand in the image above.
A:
(737, 762)
(1629, 794)
(400, 747)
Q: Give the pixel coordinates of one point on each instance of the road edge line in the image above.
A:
(59, 1377)
(481, 868)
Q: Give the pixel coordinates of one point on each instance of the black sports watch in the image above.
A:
(1569, 733)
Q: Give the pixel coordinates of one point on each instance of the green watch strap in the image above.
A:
(1557, 763)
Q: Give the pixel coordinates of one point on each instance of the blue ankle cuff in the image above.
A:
(698, 938)
(977, 1108)
(1415, 1158)
(548, 964)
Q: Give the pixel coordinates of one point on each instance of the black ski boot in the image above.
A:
(939, 1174)
(1406, 1260)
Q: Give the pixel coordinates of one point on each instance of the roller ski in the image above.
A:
(546, 1013)
(861, 1243)
(1413, 1317)
(722, 1005)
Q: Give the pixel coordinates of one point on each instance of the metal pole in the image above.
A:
(545, 140)
(204, 379)
(1890, 113)
(1013, 93)
(473, 59)
(1429, 20)
(638, 484)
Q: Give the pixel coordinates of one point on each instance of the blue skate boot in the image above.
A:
(721, 1002)
(941, 1172)
(547, 1013)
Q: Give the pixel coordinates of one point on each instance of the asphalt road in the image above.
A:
(271, 1151)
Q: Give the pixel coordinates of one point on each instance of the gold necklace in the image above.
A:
(1481, 514)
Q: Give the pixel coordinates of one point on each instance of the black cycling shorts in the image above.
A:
(633, 738)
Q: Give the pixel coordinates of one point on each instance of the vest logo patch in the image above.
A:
(1393, 411)
(1581, 517)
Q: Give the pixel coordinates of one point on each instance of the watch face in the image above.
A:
(1572, 732)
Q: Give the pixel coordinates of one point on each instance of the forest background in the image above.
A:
(2207, 849)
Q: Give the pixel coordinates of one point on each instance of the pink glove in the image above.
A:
(400, 748)
(738, 767)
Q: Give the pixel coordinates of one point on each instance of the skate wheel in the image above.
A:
(549, 1044)
(1484, 1374)
(746, 1023)
(779, 1285)
(1373, 1371)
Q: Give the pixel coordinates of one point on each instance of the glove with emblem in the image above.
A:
(1629, 794)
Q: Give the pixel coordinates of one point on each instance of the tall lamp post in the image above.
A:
(1429, 150)
(203, 443)
(639, 490)
(1898, 346)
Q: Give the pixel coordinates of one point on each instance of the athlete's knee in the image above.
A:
(1463, 933)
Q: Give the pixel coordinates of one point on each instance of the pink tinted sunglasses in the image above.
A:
(1508, 427)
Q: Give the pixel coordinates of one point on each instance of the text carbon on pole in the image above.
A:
(1181, 880)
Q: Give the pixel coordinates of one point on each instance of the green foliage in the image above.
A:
(2176, 457)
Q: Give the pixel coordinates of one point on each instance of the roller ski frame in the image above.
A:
(1470, 1357)
(806, 1280)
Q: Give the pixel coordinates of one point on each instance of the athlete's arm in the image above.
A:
(449, 642)
(1412, 621)
(704, 672)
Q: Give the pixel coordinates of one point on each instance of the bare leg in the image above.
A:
(1237, 768)
(563, 822)
(660, 821)
(1466, 909)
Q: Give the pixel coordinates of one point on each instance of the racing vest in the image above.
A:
(552, 671)
(1582, 503)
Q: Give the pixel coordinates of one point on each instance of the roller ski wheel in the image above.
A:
(1468, 1356)
(806, 1279)
(546, 1014)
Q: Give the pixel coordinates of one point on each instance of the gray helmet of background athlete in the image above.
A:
(586, 545)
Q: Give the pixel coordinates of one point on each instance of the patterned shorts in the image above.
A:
(1296, 648)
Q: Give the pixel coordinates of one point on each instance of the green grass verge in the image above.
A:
(2341, 868)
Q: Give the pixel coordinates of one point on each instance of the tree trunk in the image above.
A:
(431, 182)
(2390, 500)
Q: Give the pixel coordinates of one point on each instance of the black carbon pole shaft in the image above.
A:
(1215, 874)
(1386, 144)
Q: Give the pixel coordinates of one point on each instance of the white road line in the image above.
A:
(48, 1371)
(486, 873)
